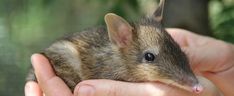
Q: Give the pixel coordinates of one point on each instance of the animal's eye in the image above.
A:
(149, 57)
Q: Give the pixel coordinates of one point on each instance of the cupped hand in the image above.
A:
(209, 57)
(51, 85)
(198, 48)
(48, 82)
(205, 53)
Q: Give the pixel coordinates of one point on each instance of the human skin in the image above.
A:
(209, 57)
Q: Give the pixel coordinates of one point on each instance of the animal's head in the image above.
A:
(149, 52)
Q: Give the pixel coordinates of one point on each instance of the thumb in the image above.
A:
(118, 88)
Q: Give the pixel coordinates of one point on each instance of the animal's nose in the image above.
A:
(193, 83)
(198, 88)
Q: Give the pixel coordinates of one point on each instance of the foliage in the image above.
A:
(222, 20)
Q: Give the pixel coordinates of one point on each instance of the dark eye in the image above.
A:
(149, 57)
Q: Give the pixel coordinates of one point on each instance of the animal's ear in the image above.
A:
(158, 14)
(119, 30)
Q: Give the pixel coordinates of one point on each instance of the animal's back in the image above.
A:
(95, 37)
(73, 56)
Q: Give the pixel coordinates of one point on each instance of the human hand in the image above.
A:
(51, 85)
(209, 57)
(48, 82)
(104, 87)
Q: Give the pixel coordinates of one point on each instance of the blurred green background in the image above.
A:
(28, 26)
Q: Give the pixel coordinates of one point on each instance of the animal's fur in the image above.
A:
(93, 54)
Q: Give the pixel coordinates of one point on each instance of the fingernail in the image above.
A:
(27, 89)
(32, 59)
(85, 90)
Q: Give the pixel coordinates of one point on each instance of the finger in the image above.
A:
(193, 44)
(209, 88)
(184, 38)
(118, 88)
(32, 89)
(188, 39)
(48, 81)
(179, 35)
(220, 78)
